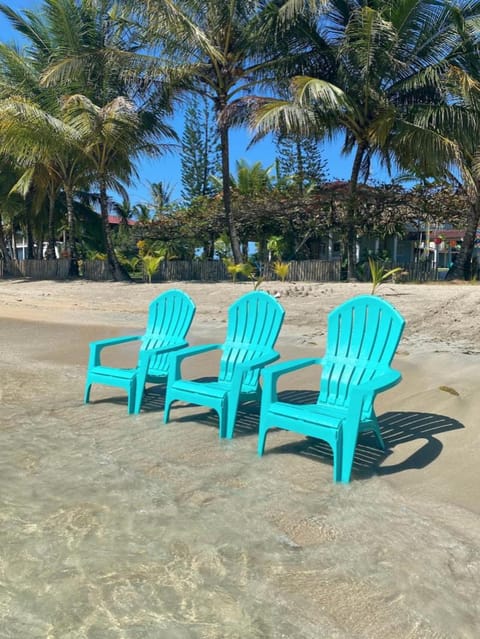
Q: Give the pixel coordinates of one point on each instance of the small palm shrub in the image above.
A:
(151, 264)
(130, 263)
(378, 273)
(234, 270)
(281, 270)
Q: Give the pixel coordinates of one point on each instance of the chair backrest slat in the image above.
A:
(170, 316)
(363, 335)
(254, 322)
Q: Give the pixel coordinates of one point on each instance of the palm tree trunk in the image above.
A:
(461, 269)
(50, 253)
(4, 253)
(351, 212)
(227, 200)
(73, 271)
(30, 240)
(118, 272)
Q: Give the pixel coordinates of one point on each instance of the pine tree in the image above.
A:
(300, 161)
(200, 151)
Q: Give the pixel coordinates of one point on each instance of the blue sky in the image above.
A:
(167, 168)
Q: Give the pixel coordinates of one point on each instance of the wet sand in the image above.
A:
(121, 526)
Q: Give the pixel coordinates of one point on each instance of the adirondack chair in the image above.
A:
(362, 337)
(254, 322)
(169, 318)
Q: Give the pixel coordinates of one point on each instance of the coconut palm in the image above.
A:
(34, 135)
(218, 50)
(48, 152)
(392, 66)
(83, 49)
(112, 138)
(469, 161)
(161, 194)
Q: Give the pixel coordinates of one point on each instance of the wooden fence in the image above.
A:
(38, 269)
(96, 270)
(315, 271)
(415, 272)
(183, 270)
(205, 271)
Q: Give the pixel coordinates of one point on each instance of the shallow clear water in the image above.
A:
(117, 527)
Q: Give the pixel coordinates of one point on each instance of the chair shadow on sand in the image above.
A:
(397, 428)
(247, 417)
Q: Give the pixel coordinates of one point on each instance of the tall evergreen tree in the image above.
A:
(200, 151)
(299, 161)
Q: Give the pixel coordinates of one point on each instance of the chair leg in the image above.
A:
(347, 451)
(376, 430)
(262, 437)
(86, 396)
(337, 459)
(140, 388)
(166, 409)
(231, 418)
(138, 400)
(223, 420)
(132, 397)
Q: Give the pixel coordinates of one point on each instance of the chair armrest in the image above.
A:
(272, 373)
(146, 355)
(366, 391)
(266, 358)
(97, 347)
(382, 382)
(178, 357)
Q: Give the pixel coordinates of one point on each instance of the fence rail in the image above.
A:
(205, 271)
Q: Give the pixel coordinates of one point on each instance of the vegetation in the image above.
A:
(281, 270)
(245, 268)
(90, 90)
(379, 274)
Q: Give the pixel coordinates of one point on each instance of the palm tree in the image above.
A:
(10, 208)
(33, 133)
(161, 193)
(84, 49)
(469, 160)
(48, 152)
(391, 65)
(218, 50)
(112, 138)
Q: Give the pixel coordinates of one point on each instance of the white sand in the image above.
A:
(396, 553)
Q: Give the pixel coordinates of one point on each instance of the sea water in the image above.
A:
(120, 527)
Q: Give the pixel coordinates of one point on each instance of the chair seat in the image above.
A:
(309, 413)
(114, 373)
(214, 389)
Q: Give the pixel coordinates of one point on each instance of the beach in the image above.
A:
(118, 526)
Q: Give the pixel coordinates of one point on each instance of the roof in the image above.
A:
(116, 219)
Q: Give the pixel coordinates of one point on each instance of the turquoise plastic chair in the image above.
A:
(253, 325)
(363, 335)
(169, 318)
